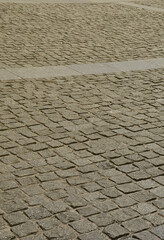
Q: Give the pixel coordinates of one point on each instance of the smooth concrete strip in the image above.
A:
(137, 65)
(93, 68)
(155, 9)
(7, 75)
(80, 69)
(43, 72)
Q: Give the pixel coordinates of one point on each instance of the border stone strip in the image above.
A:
(81, 69)
(155, 9)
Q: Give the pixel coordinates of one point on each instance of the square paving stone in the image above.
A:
(144, 208)
(25, 229)
(146, 235)
(136, 225)
(67, 217)
(35, 237)
(159, 191)
(32, 190)
(56, 206)
(83, 226)
(128, 188)
(37, 213)
(155, 219)
(94, 235)
(159, 203)
(125, 201)
(88, 211)
(115, 231)
(48, 223)
(61, 232)
(159, 231)
(143, 196)
(15, 218)
(124, 214)
(102, 219)
(105, 206)
(12, 206)
(6, 235)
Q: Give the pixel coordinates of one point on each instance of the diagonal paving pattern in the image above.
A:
(82, 131)
(82, 157)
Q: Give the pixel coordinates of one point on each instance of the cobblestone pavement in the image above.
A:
(61, 34)
(81, 157)
(156, 3)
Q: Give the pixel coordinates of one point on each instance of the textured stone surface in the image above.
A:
(81, 157)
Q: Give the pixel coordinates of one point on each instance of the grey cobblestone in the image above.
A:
(81, 157)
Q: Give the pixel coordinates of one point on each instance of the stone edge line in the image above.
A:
(80, 69)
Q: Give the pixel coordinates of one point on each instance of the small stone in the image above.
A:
(102, 219)
(94, 235)
(83, 226)
(48, 223)
(25, 229)
(136, 225)
(159, 231)
(115, 231)
(37, 213)
(67, 217)
(15, 218)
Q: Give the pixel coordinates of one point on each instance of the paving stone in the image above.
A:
(111, 192)
(115, 231)
(159, 231)
(102, 219)
(2, 223)
(159, 203)
(147, 184)
(67, 217)
(91, 187)
(105, 206)
(25, 229)
(34, 237)
(139, 175)
(124, 214)
(144, 208)
(88, 211)
(93, 235)
(146, 235)
(12, 206)
(37, 213)
(83, 226)
(15, 218)
(61, 232)
(159, 191)
(6, 235)
(56, 206)
(57, 194)
(128, 188)
(76, 201)
(155, 219)
(136, 225)
(125, 201)
(32, 190)
(143, 196)
(160, 180)
(48, 223)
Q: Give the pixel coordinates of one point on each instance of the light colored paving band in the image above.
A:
(80, 69)
(155, 9)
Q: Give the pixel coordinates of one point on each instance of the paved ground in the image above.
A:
(81, 157)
